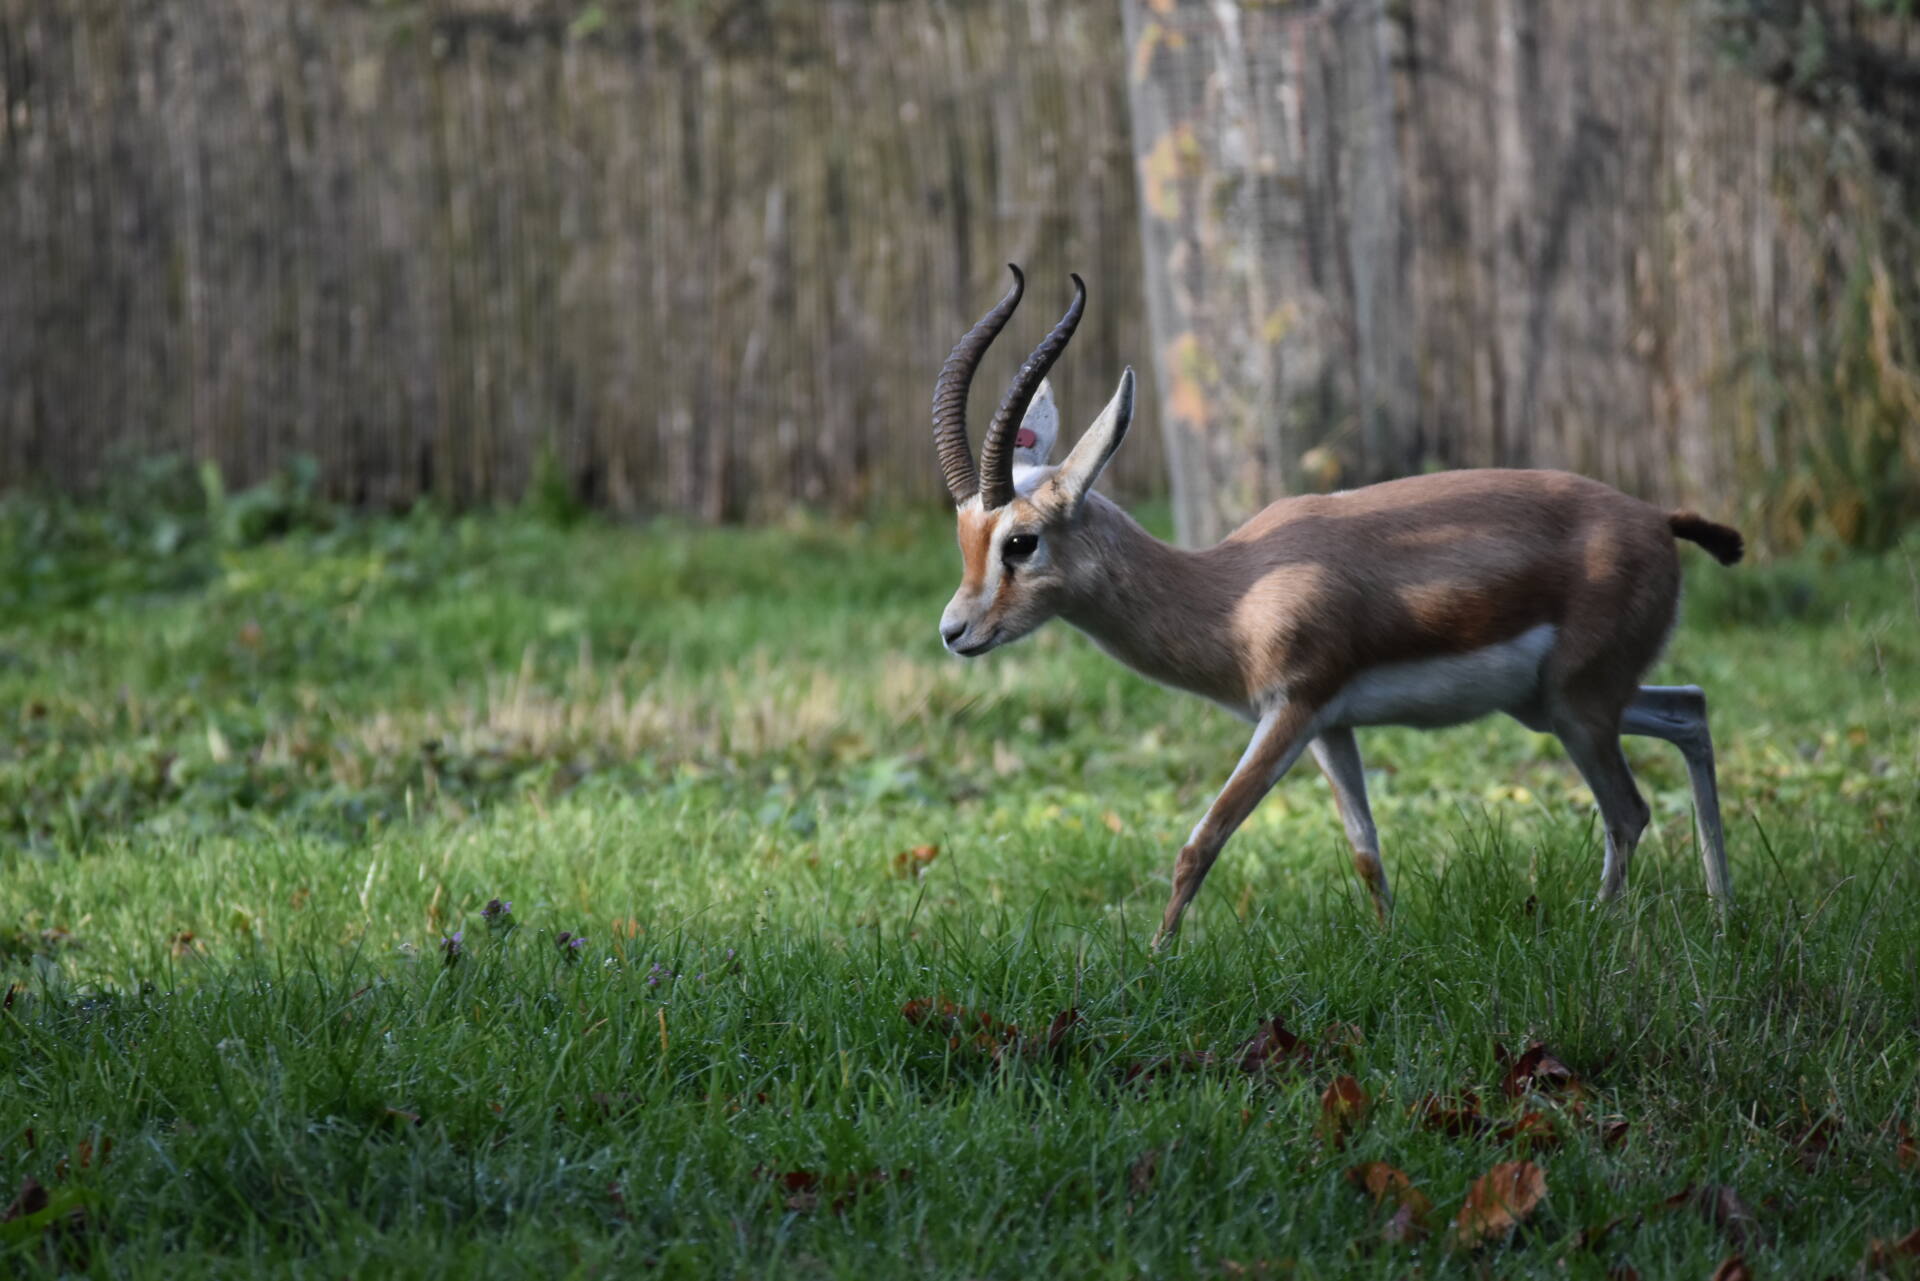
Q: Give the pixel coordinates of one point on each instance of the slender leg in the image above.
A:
(1678, 714)
(1339, 759)
(1596, 753)
(1278, 740)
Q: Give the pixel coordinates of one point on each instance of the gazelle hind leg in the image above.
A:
(1678, 714)
(1596, 754)
(1338, 756)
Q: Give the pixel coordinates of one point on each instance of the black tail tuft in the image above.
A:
(1723, 542)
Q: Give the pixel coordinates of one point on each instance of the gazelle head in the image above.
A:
(1025, 548)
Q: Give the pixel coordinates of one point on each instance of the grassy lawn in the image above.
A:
(248, 788)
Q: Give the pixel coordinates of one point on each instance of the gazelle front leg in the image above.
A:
(1282, 733)
(1339, 759)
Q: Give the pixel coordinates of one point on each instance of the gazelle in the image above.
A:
(1429, 601)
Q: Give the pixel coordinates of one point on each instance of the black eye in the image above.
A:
(1020, 546)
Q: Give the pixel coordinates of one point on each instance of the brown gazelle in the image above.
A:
(1428, 601)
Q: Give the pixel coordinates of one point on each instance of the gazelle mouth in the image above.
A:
(974, 651)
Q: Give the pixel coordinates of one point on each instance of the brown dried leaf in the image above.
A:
(1141, 1071)
(1590, 1238)
(31, 1199)
(1539, 1071)
(1732, 1268)
(1057, 1031)
(1342, 1109)
(1142, 1173)
(806, 1189)
(1457, 1120)
(1883, 1256)
(1382, 1182)
(1721, 1206)
(1273, 1048)
(1905, 1151)
(914, 862)
(1258, 1270)
(1342, 1039)
(1533, 1128)
(1812, 1144)
(1499, 1200)
(1623, 1272)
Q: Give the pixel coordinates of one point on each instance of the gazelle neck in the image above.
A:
(1164, 612)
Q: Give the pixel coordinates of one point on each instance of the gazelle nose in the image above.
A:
(952, 634)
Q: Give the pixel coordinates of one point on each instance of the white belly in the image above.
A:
(1447, 691)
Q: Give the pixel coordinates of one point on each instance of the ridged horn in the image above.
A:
(950, 393)
(996, 454)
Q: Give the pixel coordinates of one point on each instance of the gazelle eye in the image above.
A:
(1020, 546)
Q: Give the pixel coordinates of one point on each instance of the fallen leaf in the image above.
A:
(1113, 822)
(1815, 1142)
(1142, 1173)
(1273, 1048)
(1623, 1272)
(914, 862)
(1258, 1270)
(1140, 1071)
(1457, 1120)
(1532, 1127)
(31, 1199)
(1732, 1268)
(1383, 1182)
(1537, 1070)
(1883, 1255)
(1905, 1151)
(1063, 1023)
(1405, 1227)
(1342, 1039)
(1722, 1207)
(1590, 1238)
(1342, 1108)
(84, 1156)
(805, 1189)
(1613, 1131)
(1499, 1200)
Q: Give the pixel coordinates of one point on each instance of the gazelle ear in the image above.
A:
(1034, 441)
(1090, 454)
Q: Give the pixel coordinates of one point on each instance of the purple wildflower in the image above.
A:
(450, 944)
(498, 915)
(570, 944)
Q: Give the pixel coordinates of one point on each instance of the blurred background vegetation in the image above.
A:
(702, 257)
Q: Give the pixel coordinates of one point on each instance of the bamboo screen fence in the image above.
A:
(707, 256)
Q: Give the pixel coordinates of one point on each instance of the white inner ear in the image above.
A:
(1090, 453)
(1043, 420)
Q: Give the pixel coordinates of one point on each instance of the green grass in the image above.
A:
(246, 790)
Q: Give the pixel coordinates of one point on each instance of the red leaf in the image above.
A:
(1905, 1152)
(1499, 1200)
